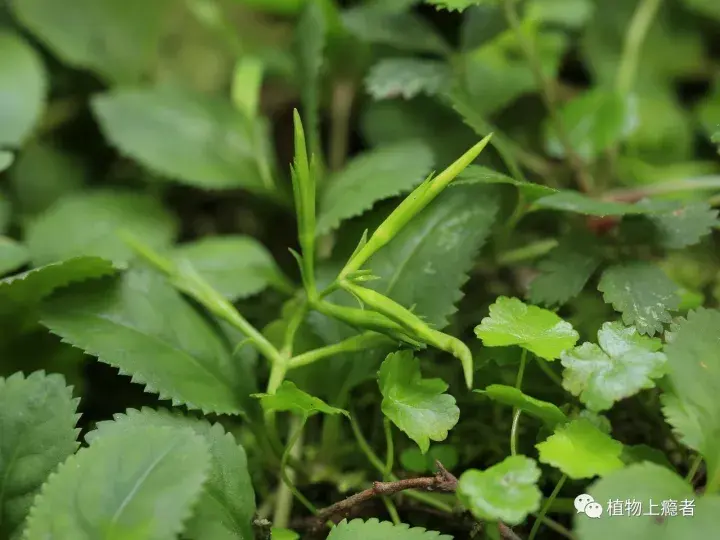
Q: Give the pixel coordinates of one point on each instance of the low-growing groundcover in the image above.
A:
(402, 270)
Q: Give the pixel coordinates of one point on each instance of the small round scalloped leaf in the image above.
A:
(506, 491)
(373, 529)
(580, 450)
(114, 487)
(622, 365)
(538, 330)
(456, 5)
(290, 398)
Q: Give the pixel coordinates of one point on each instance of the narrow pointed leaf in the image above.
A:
(290, 398)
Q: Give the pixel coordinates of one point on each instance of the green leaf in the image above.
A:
(570, 13)
(623, 364)
(709, 8)
(290, 398)
(226, 507)
(24, 84)
(403, 31)
(581, 450)
(511, 322)
(246, 85)
(412, 459)
(595, 121)
(564, 272)
(196, 139)
(37, 422)
(684, 225)
(373, 529)
(6, 160)
(572, 201)
(426, 264)
(63, 230)
(283, 534)
(648, 483)
(373, 176)
(642, 293)
(685, 420)
(483, 175)
(407, 77)
(91, 497)
(419, 407)
(33, 285)
(236, 266)
(141, 325)
(42, 175)
(13, 255)
(457, 5)
(548, 412)
(116, 38)
(506, 491)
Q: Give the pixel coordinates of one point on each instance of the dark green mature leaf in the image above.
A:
(13, 255)
(581, 450)
(684, 225)
(64, 230)
(419, 407)
(33, 285)
(649, 483)
(685, 420)
(236, 266)
(426, 263)
(407, 77)
(564, 272)
(572, 201)
(193, 138)
(595, 121)
(623, 364)
(642, 293)
(511, 322)
(506, 491)
(694, 360)
(709, 8)
(141, 325)
(91, 497)
(22, 79)
(373, 529)
(456, 5)
(371, 177)
(290, 398)
(37, 423)
(483, 175)
(116, 38)
(226, 507)
(548, 412)
(402, 30)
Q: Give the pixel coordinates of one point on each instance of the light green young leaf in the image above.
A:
(23, 82)
(595, 121)
(548, 412)
(373, 529)
(371, 177)
(506, 491)
(648, 483)
(570, 13)
(457, 5)
(642, 293)
(236, 266)
(581, 450)
(141, 325)
(193, 138)
(13, 255)
(407, 77)
(91, 497)
(511, 322)
(564, 272)
(419, 407)
(247, 84)
(117, 38)
(33, 285)
(290, 398)
(6, 160)
(483, 175)
(62, 231)
(37, 423)
(283, 534)
(42, 175)
(426, 264)
(623, 364)
(226, 507)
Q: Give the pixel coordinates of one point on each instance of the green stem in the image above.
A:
(287, 489)
(342, 101)
(634, 39)
(356, 343)
(546, 506)
(549, 372)
(694, 469)
(517, 412)
(524, 253)
(392, 510)
(390, 457)
(555, 526)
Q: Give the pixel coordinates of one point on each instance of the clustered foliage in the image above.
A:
(501, 289)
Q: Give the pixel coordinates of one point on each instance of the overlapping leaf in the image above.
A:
(624, 363)
(373, 529)
(419, 407)
(37, 423)
(290, 398)
(511, 322)
(548, 412)
(684, 225)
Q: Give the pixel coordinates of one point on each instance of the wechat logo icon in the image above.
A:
(585, 504)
